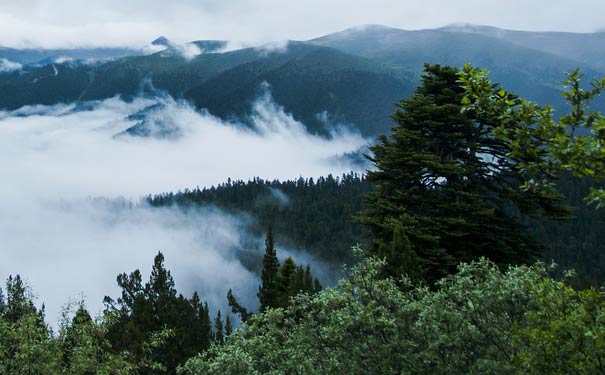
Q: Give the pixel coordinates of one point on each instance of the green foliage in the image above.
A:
(576, 243)
(25, 340)
(546, 146)
(566, 334)
(478, 321)
(219, 330)
(268, 291)
(28, 346)
(159, 328)
(85, 348)
(236, 308)
(279, 283)
(444, 192)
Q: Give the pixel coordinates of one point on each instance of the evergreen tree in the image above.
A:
(279, 282)
(160, 328)
(444, 182)
(287, 287)
(228, 327)
(26, 345)
(2, 303)
(72, 335)
(314, 214)
(268, 291)
(219, 335)
(316, 286)
(19, 301)
(236, 308)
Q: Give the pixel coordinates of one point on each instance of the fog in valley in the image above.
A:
(73, 177)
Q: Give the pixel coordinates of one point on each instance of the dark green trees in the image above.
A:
(278, 282)
(445, 190)
(157, 326)
(268, 291)
(316, 214)
(25, 345)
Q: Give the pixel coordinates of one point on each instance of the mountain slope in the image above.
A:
(350, 77)
(38, 55)
(532, 73)
(308, 80)
(583, 47)
(319, 86)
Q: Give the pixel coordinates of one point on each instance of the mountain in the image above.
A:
(307, 79)
(583, 47)
(44, 56)
(189, 50)
(351, 77)
(534, 73)
(161, 41)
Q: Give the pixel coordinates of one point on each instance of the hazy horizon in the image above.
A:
(110, 23)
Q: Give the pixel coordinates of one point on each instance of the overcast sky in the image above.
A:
(69, 23)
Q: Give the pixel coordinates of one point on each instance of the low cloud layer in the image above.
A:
(8, 66)
(57, 160)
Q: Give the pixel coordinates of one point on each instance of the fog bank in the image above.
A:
(55, 159)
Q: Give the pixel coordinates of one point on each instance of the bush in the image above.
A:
(479, 321)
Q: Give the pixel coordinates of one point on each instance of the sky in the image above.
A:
(133, 23)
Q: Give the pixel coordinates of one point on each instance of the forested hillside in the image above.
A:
(319, 216)
(353, 77)
(315, 215)
(308, 80)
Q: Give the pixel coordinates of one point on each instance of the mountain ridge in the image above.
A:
(351, 77)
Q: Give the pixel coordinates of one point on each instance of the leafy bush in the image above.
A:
(479, 321)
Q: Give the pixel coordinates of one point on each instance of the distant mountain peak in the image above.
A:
(161, 41)
(371, 26)
(468, 27)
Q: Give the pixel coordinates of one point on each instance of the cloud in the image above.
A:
(280, 197)
(8, 66)
(53, 159)
(70, 23)
(188, 50)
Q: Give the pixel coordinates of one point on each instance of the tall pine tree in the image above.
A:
(445, 190)
(150, 310)
(268, 291)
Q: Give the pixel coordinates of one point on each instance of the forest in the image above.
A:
(473, 242)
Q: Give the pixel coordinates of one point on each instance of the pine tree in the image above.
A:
(268, 291)
(236, 308)
(219, 336)
(2, 303)
(287, 287)
(444, 182)
(73, 335)
(26, 345)
(155, 324)
(228, 327)
(279, 282)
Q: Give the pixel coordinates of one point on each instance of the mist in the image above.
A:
(71, 217)
(8, 66)
(71, 23)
